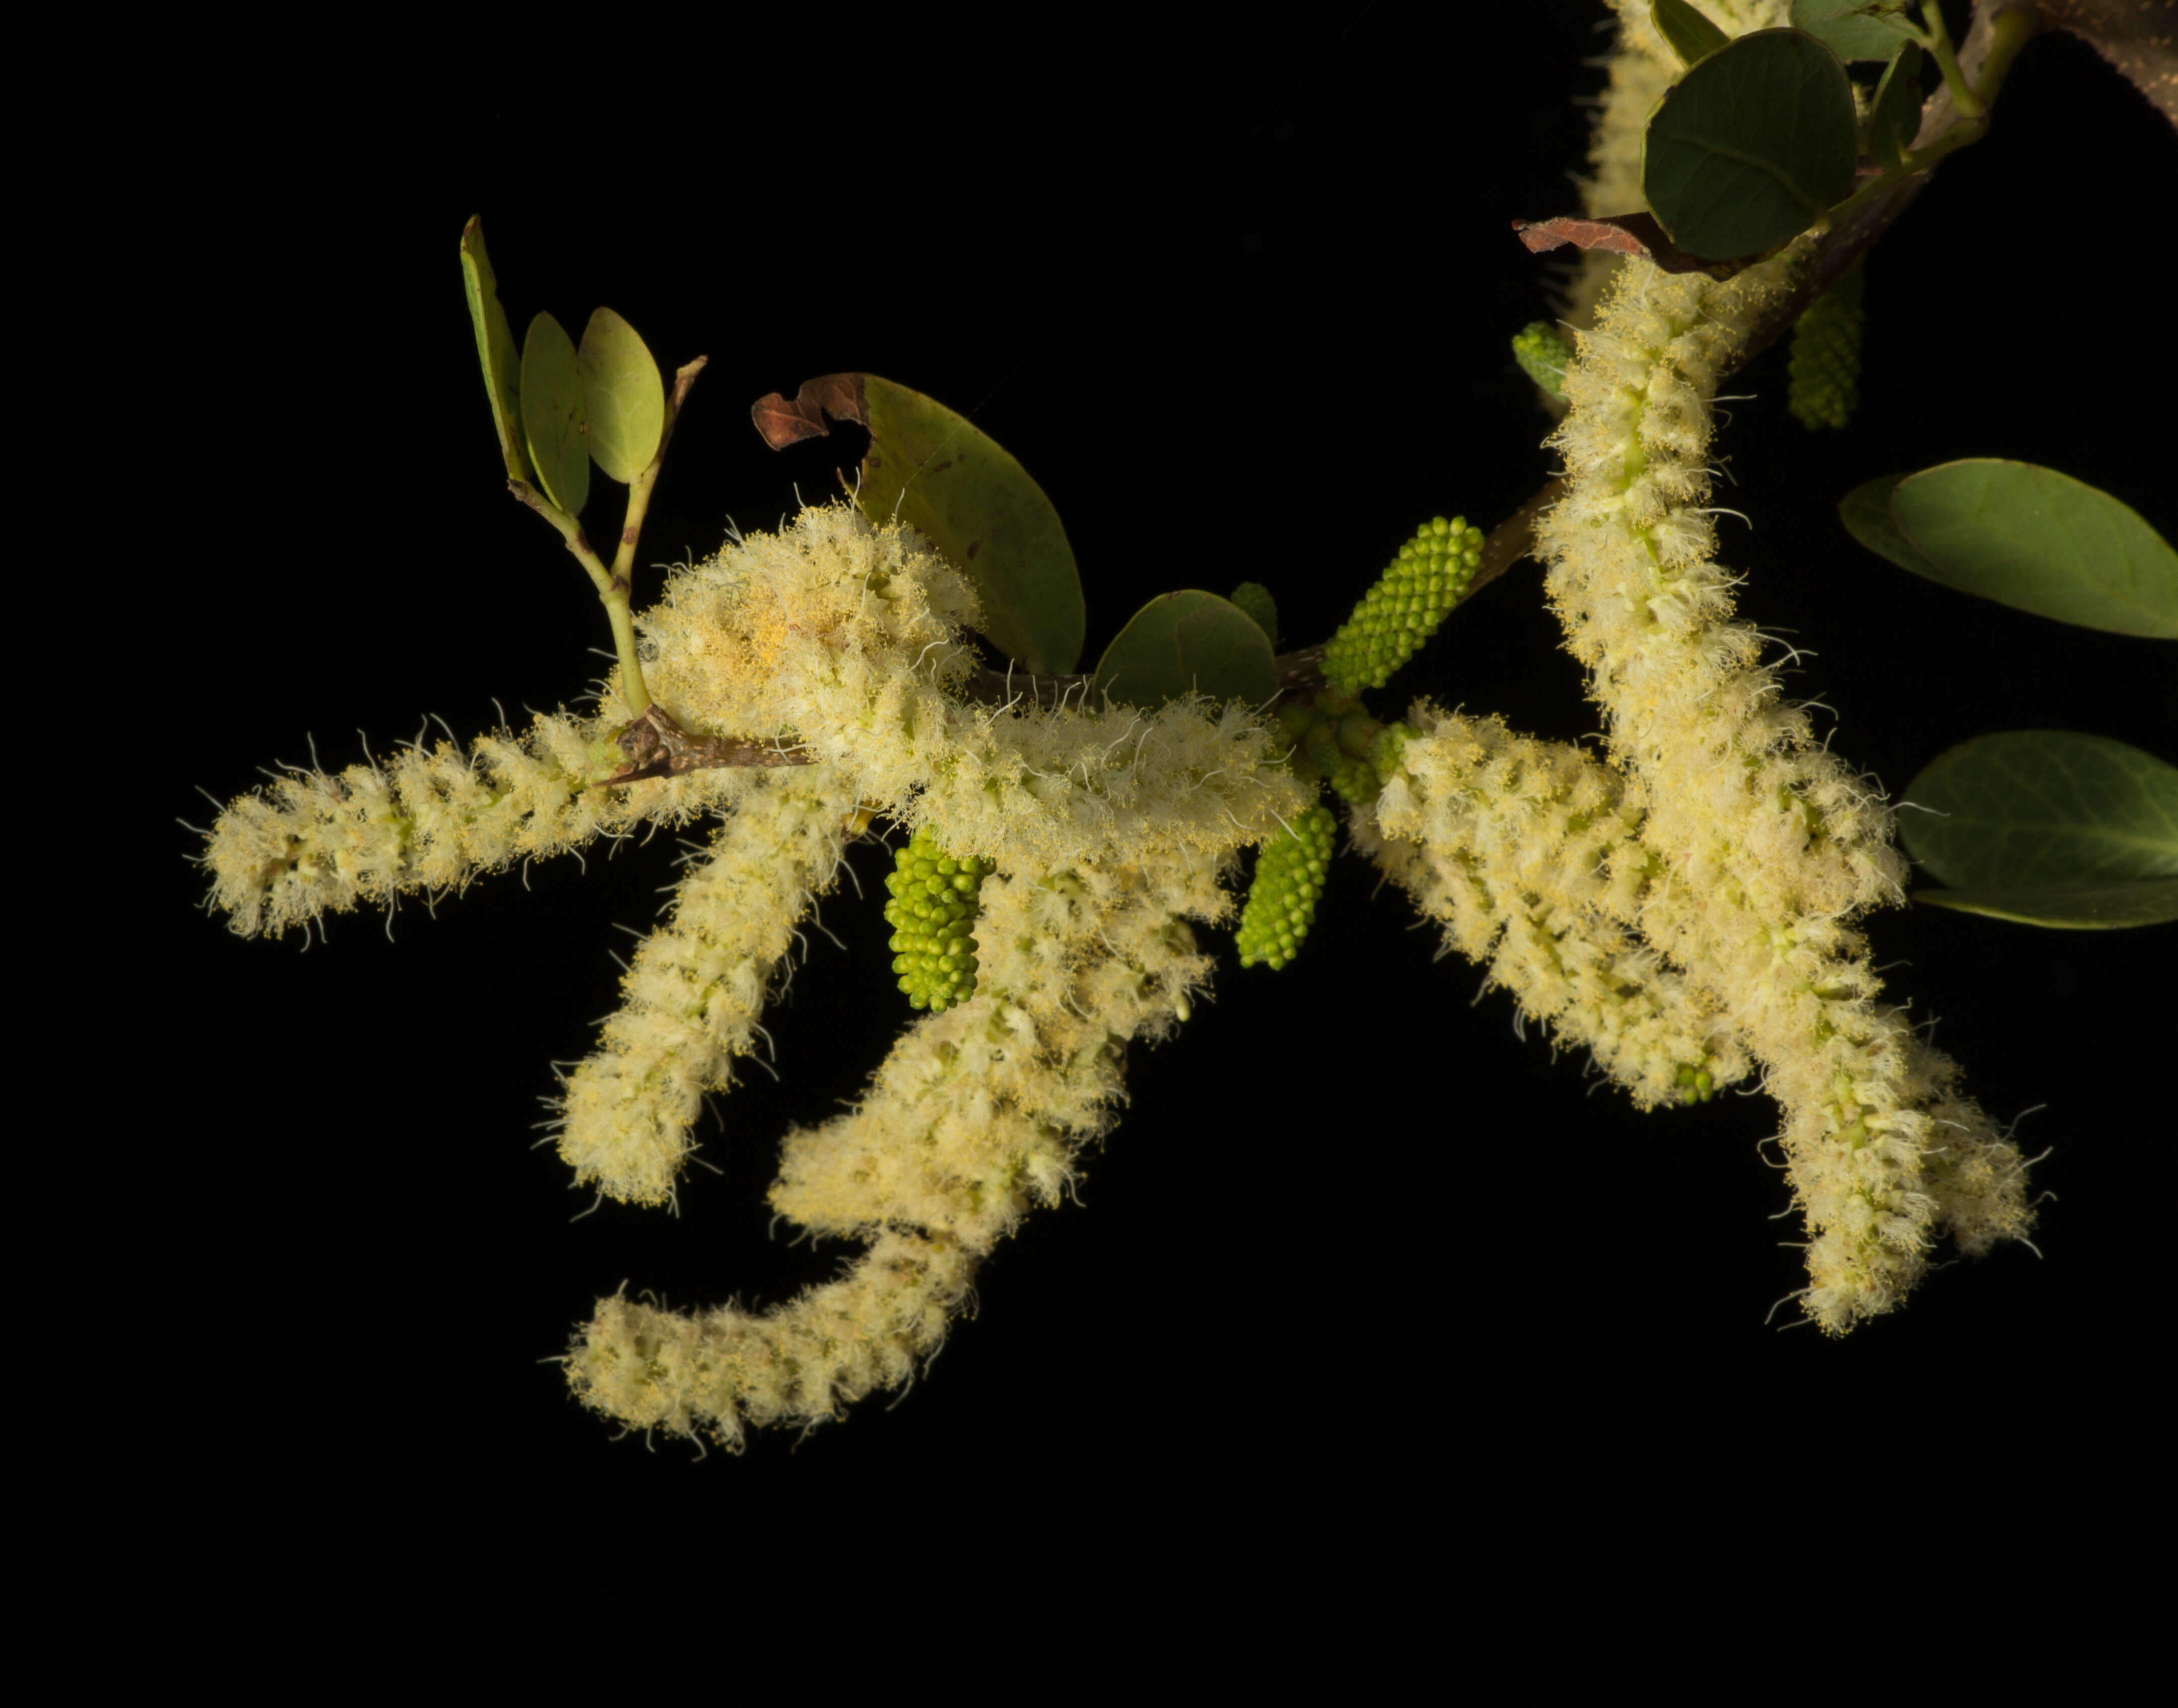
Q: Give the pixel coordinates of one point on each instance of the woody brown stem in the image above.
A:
(657, 746)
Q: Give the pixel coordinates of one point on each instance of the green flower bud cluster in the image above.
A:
(1384, 747)
(1337, 742)
(932, 916)
(1825, 364)
(1290, 874)
(1695, 1084)
(1543, 351)
(1402, 610)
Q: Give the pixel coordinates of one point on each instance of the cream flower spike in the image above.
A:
(432, 820)
(1528, 853)
(1765, 845)
(696, 989)
(849, 637)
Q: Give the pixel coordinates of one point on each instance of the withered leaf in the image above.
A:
(783, 423)
(1624, 234)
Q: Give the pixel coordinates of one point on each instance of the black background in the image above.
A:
(1356, 1252)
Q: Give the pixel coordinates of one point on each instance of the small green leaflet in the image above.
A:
(1693, 36)
(496, 352)
(552, 416)
(1188, 640)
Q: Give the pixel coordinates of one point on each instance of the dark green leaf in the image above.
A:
(552, 414)
(1853, 29)
(502, 367)
(1190, 640)
(1255, 599)
(1894, 118)
(939, 472)
(2048, 827)
(623, 398)
(2038, 541)
(1751, 145)
(1692, 36)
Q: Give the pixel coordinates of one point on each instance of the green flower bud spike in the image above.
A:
(1430, 573)
(1255, 599)
(1289, 873)
(1825, 364)
(1543, 351)
(932, 915)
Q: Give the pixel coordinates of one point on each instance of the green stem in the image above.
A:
(640, 488)
(632, 688)
(2010, 30)
(612, 591)
(1969, 105)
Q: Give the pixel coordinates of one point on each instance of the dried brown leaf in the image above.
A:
(1623, 234)
(783, 423)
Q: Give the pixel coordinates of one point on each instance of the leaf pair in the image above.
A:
(558, 408)
(1760, 138)
(2045, 826)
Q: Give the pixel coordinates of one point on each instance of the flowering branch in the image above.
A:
(1682, 905)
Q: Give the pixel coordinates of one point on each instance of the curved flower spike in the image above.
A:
(698, 985)
(1764, 844)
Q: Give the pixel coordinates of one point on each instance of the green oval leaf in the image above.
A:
(502, 367)
(552, 414)
(623, 397)
(1751, 145)
(1692, 36)
(941, 473)
(1853, 29)
(2048, 827)
(1189, 639)
(2038, 541)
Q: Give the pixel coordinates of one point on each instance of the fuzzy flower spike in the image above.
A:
(1763, 845)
